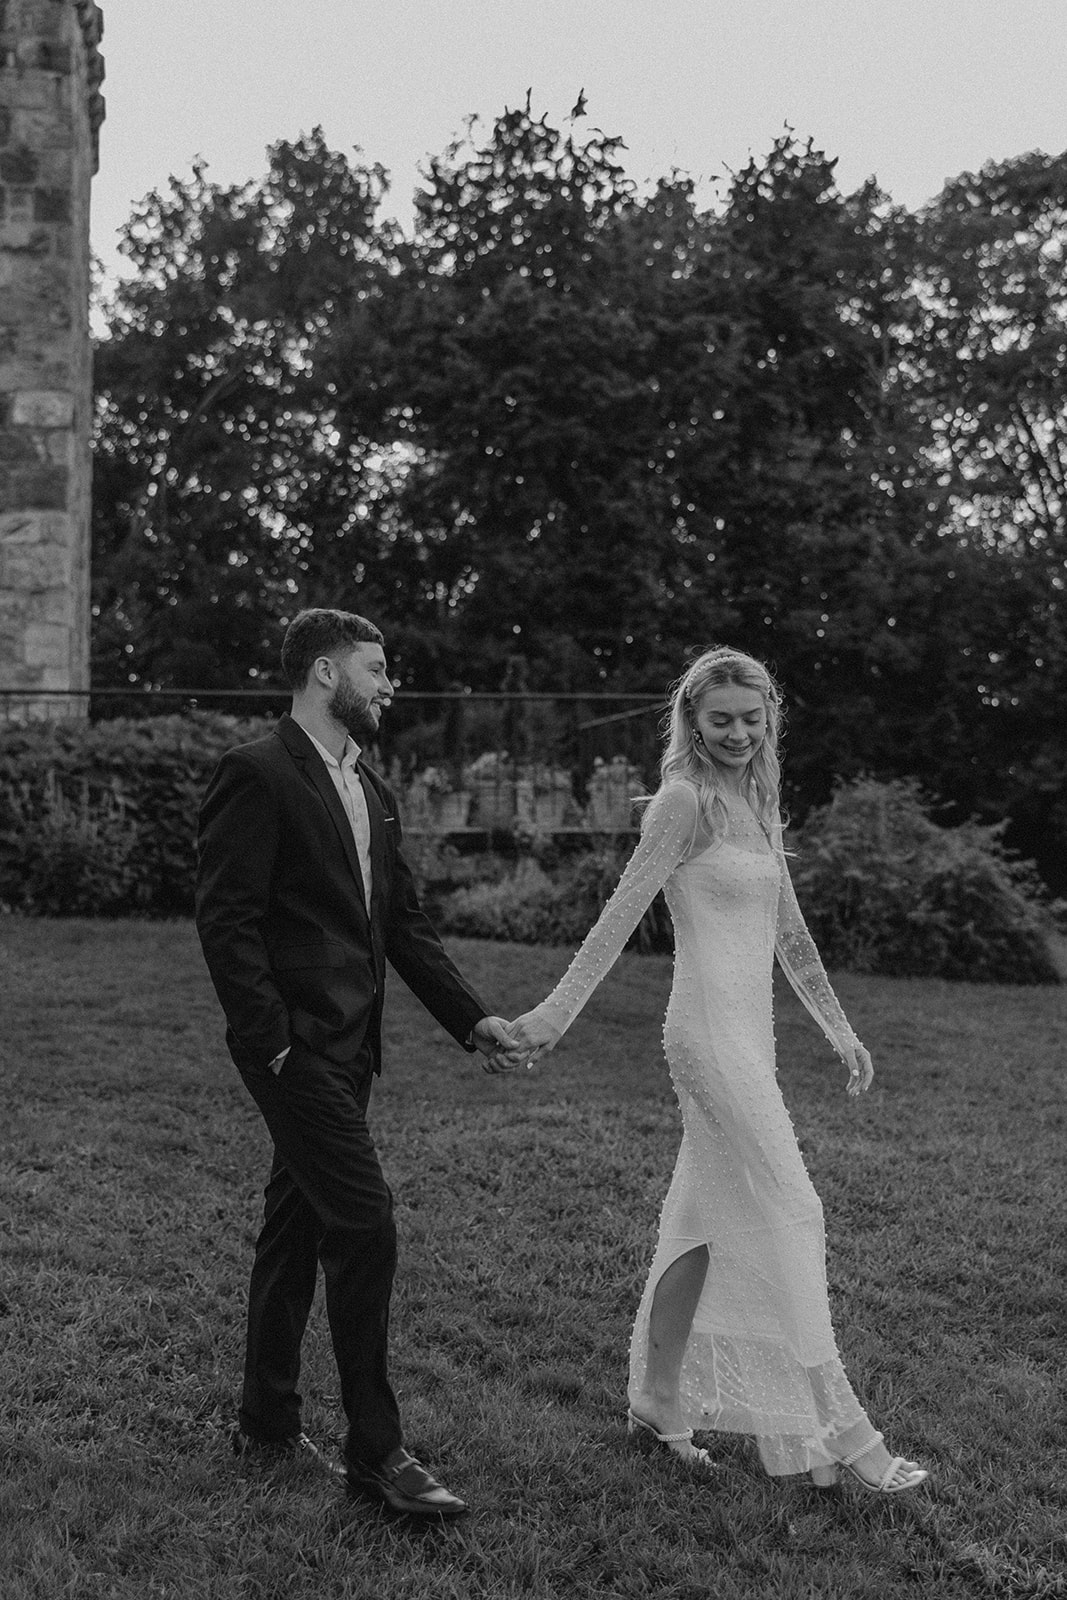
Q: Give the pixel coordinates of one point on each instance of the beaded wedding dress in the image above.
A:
(761, 1357)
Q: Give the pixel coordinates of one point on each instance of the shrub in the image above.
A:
(74, 857)
(884, 889)
(532, 906)
(525, 907)
(100, 818)
(439, 868)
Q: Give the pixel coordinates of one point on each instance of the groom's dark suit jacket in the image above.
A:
(292, 948)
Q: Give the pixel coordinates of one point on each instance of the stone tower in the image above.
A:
(50, 115)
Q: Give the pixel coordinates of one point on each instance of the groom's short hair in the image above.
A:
(322, 632)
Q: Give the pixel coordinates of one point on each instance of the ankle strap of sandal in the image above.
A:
(856, 1455)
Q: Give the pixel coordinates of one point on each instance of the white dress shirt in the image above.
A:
(345, 780)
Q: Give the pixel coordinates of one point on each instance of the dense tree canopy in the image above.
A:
(597, 429)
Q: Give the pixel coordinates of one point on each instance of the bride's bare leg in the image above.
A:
(671, 1318)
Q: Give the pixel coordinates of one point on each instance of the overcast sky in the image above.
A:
(911, 91)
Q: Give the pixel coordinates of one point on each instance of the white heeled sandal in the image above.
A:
(679, 1444)
(909, 1473)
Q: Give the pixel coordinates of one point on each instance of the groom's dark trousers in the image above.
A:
(298, 960)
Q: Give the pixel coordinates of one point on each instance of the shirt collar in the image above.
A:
(349, 755)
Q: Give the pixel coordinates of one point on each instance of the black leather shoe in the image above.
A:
(297, 1447)
(404, 1485)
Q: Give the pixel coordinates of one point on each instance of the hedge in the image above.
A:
(99, 819)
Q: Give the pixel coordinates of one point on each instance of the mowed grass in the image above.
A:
(132, 1164)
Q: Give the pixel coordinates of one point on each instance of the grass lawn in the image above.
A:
(131, 1164)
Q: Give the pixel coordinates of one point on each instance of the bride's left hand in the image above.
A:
(860, 1068)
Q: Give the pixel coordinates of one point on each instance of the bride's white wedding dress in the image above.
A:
(761, 1358)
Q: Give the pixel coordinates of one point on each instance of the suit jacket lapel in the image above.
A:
(314, 769)
(377, 835)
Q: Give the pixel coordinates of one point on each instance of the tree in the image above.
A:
(621, 414)
(518, 372)
(597, 430)
(217, 466)
(984, 353)
(988, 345)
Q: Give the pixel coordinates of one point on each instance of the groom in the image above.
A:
(302, 896)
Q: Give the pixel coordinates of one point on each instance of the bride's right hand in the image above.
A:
(533, 1034)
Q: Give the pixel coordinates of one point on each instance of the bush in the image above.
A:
(532, 906)
(884, 889)
(74, 857)
(100, 818)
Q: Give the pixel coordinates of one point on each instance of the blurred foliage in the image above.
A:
(884, 889)
(592, 429)
(537, 904)
(99, 819)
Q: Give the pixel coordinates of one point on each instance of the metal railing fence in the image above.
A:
(467, 759)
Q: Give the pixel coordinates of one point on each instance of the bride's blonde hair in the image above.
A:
(686, 758)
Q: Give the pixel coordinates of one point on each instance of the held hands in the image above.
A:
(507, 1045)
(860, 1068)
(493, 1038)
(534, 1035)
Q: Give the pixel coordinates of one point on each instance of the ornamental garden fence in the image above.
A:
(466, 762)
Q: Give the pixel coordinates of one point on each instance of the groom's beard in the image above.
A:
(348, 707)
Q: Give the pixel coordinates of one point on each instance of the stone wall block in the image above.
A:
(57, 446)
(37, 287)
(43, 408)
(25, 239)
(33, 527)
(19, 164)
(42, 130)
(46, 368)
(46, 488)
(17, 447)
(58, 606)
(42, 17)
(54, 169)
(18, 207)
(33, 321)
(51, 205)
(47, 645)
(58, 678)
(34, 91)
(54, 57)
(46, 289)
(35, 569)
(37, 488)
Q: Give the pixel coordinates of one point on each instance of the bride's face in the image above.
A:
(733, 724)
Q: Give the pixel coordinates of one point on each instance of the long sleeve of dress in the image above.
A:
(800, 961)
(667, 838)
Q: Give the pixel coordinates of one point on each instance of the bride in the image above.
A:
(733, 1331)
